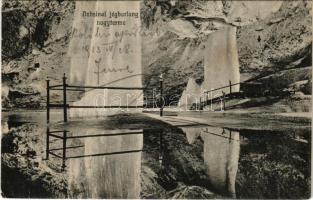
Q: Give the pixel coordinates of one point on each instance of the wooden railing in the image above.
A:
(65, 88)
(64, 136)
(223, 93)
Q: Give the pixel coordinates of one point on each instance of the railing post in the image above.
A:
(224, 107)
(48, 101)
(155, 102)
(161, 148)
(47, 144)
(230, 87)
(211, 99)
(64, 99)
(161, 95)
(64, 149)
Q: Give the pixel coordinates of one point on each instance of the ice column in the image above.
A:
(221, 63)
(82, 29)
(191, 94)
(113, 58)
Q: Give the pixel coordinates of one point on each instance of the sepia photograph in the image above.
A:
(156, 99)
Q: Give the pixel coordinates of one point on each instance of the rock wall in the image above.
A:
(277, 37)
(280, 40)
(35, 42)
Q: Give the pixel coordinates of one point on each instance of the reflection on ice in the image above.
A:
(170, 167)
(108, 163)
(4, 127)
(221, 155)
(192, 133)
(116, 176)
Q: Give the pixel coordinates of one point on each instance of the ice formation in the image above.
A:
(221, 63)
(106, 56)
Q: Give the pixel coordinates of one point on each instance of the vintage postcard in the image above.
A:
(156, 99)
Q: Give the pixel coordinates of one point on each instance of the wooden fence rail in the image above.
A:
(65, 88)
(227, 86)
(223, 93)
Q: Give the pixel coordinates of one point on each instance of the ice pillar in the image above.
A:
(81, 35)
(192, 94)
(113, 58)
(221, 64)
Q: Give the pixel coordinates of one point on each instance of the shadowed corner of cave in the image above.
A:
(42, 29)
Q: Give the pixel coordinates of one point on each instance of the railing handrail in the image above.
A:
(94, 87)
(54, 86)
(106, 87)
(66, 87)
(224, 87)
(243, 82)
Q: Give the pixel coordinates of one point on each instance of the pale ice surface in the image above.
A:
(221, 66)
(221, 63)
(106, 56)
(82, 29)
(190, 95)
